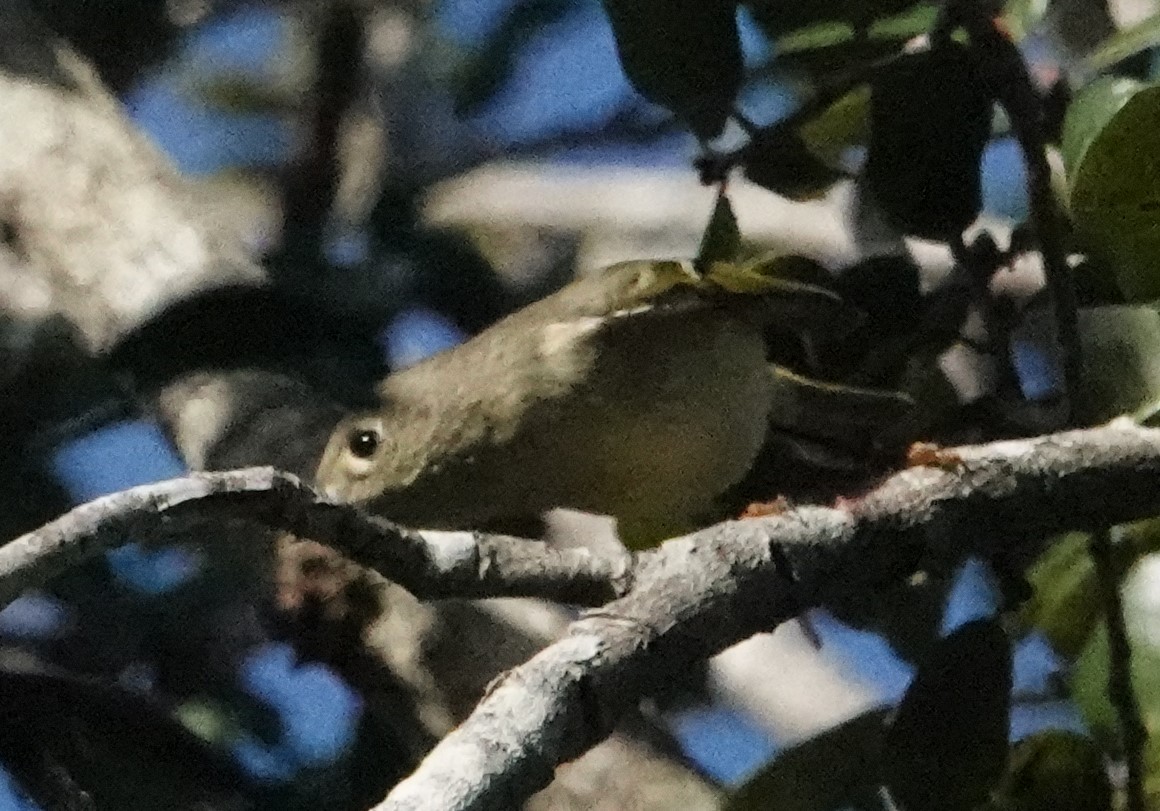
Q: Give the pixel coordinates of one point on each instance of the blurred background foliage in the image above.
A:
(410, 171)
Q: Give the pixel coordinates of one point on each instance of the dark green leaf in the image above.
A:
(1089, 676)
(1056, 770)
(722, 239)
(838, 767)
(682, 54)
(777, 159)
(824, 22)
(1121, 351)
(1089, 112)
(241, 94)
(837, 59)
(1111, 137)
(930, 118)
(1064, 604)
(948, 744)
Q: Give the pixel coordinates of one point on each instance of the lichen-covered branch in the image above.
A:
(666, 609)
(699, 594)
(429, 564)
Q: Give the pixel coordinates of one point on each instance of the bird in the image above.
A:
(642, 391)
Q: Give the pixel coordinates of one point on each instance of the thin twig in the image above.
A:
(1121, 693)
(1015, 91)
(430, 564)
(311, 182)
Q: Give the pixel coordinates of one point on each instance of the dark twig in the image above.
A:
(1121, 693)
(1016, 92)
(311, 182)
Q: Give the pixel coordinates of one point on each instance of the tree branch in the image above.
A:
(427, 563)
(700, 594)
(674, 606)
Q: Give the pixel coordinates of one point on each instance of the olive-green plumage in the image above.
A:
(642, 391)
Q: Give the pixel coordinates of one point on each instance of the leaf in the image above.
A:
(1089, 676)
(682, 54)
(1124, 44)
(722, 239)
(1056, 770)
(830, 42)
(776, 158)
(843, 124)
(1121, 352)
(804, 25)
(913, 21)
(1111, 148)
(930, 118)
(947, 745)
(241, 94)
(819, 63)
(1089, 112)
(1064, 604)
(830, 770)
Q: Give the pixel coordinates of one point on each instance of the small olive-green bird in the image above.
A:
(642, 391)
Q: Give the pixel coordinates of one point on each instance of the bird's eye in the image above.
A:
(363, 442)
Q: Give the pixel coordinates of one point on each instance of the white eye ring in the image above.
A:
(362, 445)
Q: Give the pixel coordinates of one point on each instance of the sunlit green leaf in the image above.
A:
(1022, 16)
(1121, 350)
(843, 124)
(1125, 43)
(822, 35)
(1064, 604)
(1112, 153)
(910, 23)
(810, 25)
(1089, 676)
(1089, 112)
